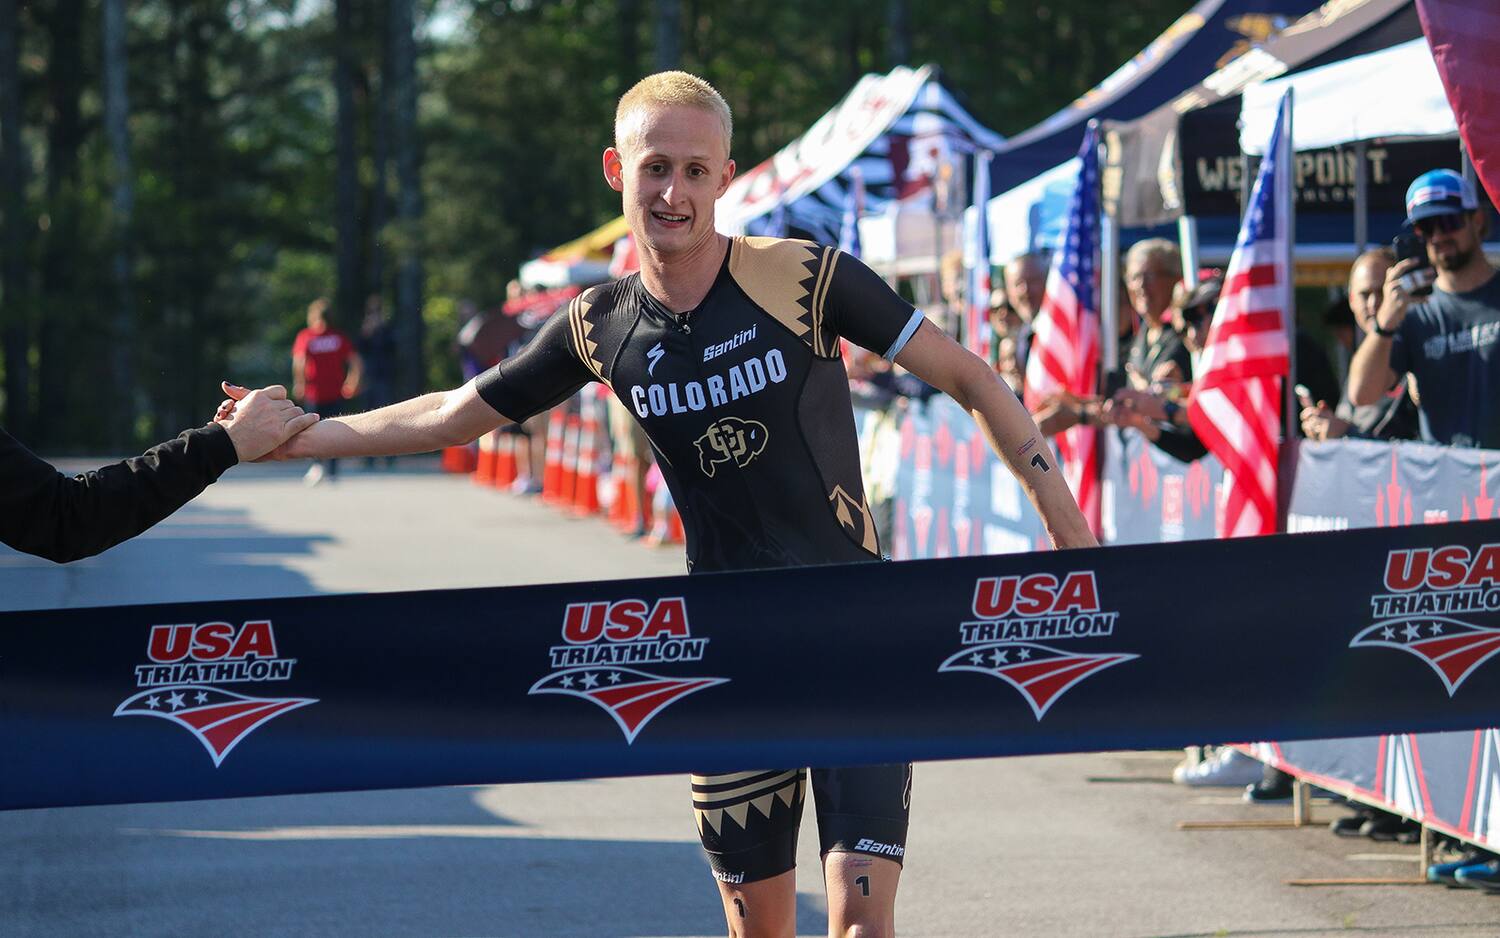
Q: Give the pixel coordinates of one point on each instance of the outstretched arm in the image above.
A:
(944, 364)
(62, 518)
(419, 425)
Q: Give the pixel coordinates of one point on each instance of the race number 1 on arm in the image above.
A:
(869, 313)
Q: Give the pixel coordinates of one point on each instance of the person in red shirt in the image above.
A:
(325, 373)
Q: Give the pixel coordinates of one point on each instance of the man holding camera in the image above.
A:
(1439, 319)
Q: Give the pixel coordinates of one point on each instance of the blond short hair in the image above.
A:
(668, 88)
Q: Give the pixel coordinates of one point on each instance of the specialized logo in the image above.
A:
(1426, 589)
(187, 660)
(731, 440)
(1014, 615)
(601, 638)
(653, 355)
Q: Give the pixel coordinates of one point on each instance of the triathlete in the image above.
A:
(727, 352)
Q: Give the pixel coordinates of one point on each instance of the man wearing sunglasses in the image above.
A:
(1449, 341)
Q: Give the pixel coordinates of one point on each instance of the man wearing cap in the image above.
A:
(1450, 341)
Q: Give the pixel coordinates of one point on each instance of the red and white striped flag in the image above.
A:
(1235, 406)
(1065, 345)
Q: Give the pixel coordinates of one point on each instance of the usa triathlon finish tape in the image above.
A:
(1311, 636)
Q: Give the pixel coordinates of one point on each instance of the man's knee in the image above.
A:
(863, 930)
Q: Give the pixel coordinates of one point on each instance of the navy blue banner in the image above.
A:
(1317, 635)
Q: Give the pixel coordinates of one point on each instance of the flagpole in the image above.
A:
(1287, 193)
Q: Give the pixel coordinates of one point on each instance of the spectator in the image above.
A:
(325, 373)
(1159, 411)
(1008, 363)
(1153, 268)
(1394, 415)
(1025, 284)
(1447, 341)
(45, 513)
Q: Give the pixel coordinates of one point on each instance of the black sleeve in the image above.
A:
(45, 513)
(545, 373)
(862, 308)
(1181, 443)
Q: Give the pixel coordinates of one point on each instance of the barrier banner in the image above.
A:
(1318, 635)
(1365, 483)
(954, 498)
(1448, 781)
(1150, 497)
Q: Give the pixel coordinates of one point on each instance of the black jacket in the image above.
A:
(46, 513)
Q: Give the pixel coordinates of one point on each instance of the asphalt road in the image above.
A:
(1081, 845)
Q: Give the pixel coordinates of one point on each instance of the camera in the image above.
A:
(1416, 282)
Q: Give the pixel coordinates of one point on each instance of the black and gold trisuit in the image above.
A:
(746, 402)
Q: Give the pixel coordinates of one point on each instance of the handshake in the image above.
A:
(260, 422)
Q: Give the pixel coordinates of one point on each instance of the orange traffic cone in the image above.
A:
(552, 471)
(586, 478)
(484, 470)
(621, 490)
(505, 460)
(567, 476)
(458, 459)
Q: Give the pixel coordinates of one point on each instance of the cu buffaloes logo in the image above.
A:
(1426, 589)
(186, 661)
(730, 439)
(1016, 615)
(602, 638)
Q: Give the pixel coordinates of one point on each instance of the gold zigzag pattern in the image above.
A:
(767, 270)
(844, 507)
(582, 326)
(788, 794)
(820, 297)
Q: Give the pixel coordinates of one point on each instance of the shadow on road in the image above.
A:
(197, 554)
(189, 868)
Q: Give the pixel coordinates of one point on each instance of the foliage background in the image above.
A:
(235, 164)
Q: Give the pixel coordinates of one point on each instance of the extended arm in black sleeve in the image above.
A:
(46, 513)
(546, 372)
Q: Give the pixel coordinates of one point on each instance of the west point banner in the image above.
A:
(1317, 635)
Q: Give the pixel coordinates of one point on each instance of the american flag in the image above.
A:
(1235, 406)
(1065, 343)
(978, 251)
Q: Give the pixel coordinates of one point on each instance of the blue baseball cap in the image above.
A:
(1439, 192)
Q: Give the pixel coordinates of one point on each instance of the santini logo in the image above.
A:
(866, 845)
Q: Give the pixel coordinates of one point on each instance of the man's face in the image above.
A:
(672, 166)
(1149, 284)
(1451, 248)
(1366, 286)
(1025, 282)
